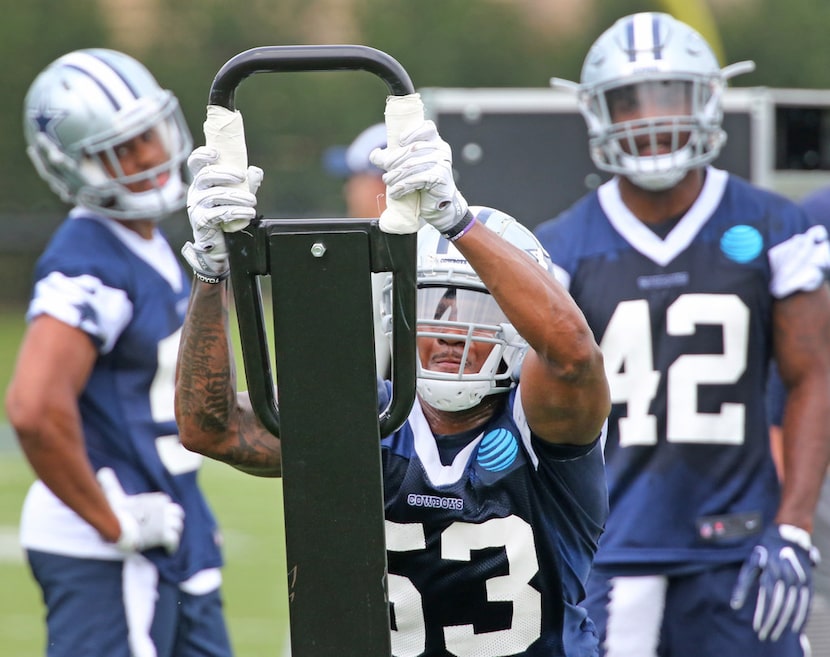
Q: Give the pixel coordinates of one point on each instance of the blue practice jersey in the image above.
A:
(488, 555)
(130, 296)
(684, 324)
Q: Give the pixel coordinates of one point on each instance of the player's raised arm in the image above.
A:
(213, 418)
(564, 390)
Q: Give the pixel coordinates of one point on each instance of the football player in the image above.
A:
(117, 532)
(494, 489)
(691, 279)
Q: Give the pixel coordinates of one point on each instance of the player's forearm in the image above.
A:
(54, 447)
(213, 419)
(566, 397)
(806, 450)
(801, 325)
(539, 308)
(205, 381)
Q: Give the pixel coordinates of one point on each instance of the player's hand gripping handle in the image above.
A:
(402, 114)
(222, 196)
(419, 173)
(225, 133)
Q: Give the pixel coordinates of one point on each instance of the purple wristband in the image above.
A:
(460, 229)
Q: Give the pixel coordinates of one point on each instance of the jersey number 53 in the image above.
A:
(458, 541)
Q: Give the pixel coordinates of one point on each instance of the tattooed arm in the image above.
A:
(213, 418)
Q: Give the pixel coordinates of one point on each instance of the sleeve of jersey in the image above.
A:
(534, 446)
(84, 302)
(799, 263)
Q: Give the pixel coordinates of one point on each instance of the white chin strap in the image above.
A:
(658, 172)
(155, 203)
(452, 395)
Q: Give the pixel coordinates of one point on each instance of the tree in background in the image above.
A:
(787, 41)
(293, 118)
(32, 34)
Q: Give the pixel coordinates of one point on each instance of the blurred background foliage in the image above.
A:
(291, 118)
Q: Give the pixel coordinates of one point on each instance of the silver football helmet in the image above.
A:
(452, 299)
(80, 109)
(651, 94)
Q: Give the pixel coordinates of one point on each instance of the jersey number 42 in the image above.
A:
(627, 346)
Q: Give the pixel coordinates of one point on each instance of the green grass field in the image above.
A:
(249, 511)
(12, 325)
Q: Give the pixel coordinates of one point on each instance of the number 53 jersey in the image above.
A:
(489, 547)
(684, 323)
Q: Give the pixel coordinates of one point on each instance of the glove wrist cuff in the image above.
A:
(207, 267)
(213, 279)
(797, 535)
(461, 228)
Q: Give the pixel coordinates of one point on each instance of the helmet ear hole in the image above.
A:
(46, 158)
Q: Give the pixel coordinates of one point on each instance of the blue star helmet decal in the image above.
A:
(46, 120)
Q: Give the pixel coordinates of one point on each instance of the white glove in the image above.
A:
(147, 520)
(423, 163)
(214, 205)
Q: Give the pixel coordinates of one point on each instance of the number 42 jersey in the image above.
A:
(684, 323)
